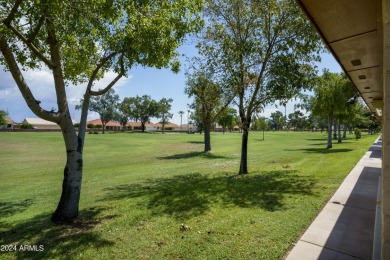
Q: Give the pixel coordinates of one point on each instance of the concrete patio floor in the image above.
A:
(344, 229)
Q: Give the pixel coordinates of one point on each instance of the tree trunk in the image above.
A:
(338, 131)
(207, 141)
(103, 128)
(163, 123)
(143, 126)
(330, 123)
(244, 152)
(68, 207)
(263, 134)
(335, 130)
(345, 131)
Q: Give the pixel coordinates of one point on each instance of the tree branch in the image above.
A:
(32, 103)
(11, 15)
(39, 26)
(99, 66)
(101, 92)
(57, 71)
(31, 46)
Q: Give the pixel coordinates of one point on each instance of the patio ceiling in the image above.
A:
(352, 31)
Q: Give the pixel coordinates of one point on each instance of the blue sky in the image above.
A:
(141, 81)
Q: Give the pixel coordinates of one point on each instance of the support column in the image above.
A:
(386, 132)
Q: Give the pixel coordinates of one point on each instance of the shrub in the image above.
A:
(98, 126)
(90, 132)
(96, 133)
(90, 126)
(26, 126)
(76, 125)
(358, 133)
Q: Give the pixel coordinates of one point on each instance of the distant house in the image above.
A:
(219, 128)
(10, 124)
(115, 126)
(41, 124)
(168, 127)
(111, 125)
(138, 126)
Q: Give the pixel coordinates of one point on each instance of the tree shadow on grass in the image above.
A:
(8, 209)
(317, 139)
(58, 241)
(196, 142)
(322, 150)
(192, 155)
(191, 195)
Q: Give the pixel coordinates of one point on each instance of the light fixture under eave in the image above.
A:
(356, 62)
(362, 77)
(367, 87)
(378, 104)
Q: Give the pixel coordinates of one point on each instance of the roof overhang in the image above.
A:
(352, 30)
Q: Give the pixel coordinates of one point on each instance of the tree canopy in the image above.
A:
(330, 98)
(164, 106)
(209, 98)
(143, 109)
(105, 105)
(79, 41)
(277, 120)
(263, 51)
(3, 115)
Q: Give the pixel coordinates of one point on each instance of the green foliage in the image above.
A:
(277, 120)
(330, 99)
(3, 115)
(143, 32)
(142, 108)
(297, 120)
(358, 133)
(164, 106)
(260, 124)
(331, 94)
(26, 126)
(123, 113)
(76, 124)
(227, 118)
(105, 105)
(90, 126)
(360, 116)
(262, 52)
(209, 97)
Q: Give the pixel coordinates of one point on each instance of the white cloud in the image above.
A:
(4, 93)
(41, 84)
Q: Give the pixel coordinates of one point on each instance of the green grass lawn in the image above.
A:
(139, 188)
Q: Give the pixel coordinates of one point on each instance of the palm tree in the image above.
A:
(181, 113)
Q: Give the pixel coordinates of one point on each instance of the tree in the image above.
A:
(226, 118)
(78, 41)
(196, 120)
(260, 124)
(297, 120)
(181, 113)
(330, 98)
(277, 120)
(143, 108)
(164, 105)
(105, 105)
(123, 112)
(3, 115)
(209, 100)
(263, 50)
